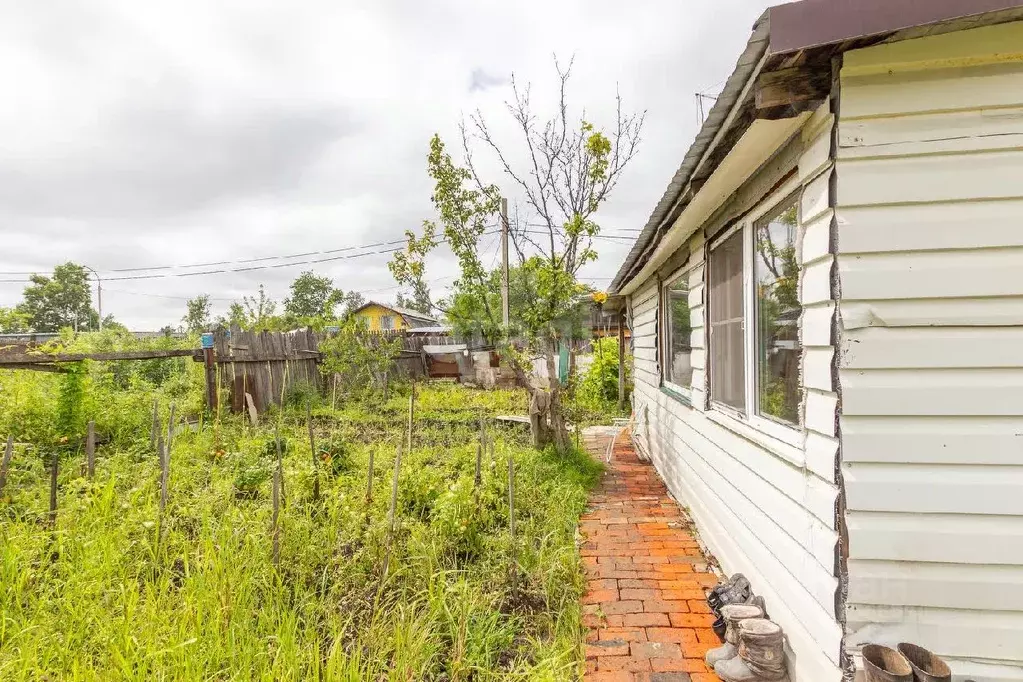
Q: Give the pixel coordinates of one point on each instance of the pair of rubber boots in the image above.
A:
(736, 590)
(754, 649)
(909, 663)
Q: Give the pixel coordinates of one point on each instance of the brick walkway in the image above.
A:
(645, 606)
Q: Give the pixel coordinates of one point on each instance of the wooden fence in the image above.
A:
(267, 365)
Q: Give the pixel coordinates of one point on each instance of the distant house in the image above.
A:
(827, 318)
(384, 317)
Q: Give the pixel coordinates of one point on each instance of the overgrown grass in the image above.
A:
(115, 593)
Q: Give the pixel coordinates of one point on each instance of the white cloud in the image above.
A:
(140, 134)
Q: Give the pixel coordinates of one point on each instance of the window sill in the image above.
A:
(677, 395)
(786, 451)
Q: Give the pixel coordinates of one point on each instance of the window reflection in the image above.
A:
(679, 350)
(778, 310)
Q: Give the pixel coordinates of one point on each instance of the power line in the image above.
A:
(251, 268)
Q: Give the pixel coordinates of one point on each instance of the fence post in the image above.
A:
(90, 450)
(312, 449)
(210, 365)
(6, 462)
(53, 488)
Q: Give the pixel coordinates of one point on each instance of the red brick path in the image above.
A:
(645, 606)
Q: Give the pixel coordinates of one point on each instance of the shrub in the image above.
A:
(598, 389)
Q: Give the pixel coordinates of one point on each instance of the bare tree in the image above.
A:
(571, 168)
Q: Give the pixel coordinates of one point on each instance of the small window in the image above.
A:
(678, 335)
(387, 322)
(727, 353)
(776, 277)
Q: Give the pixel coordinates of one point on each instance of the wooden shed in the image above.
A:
(827, 318)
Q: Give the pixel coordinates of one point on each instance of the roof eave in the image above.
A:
(711, 132)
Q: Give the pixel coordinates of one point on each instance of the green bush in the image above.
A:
(597, 390)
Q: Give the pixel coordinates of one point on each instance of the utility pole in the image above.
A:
(99, 294)
(505, 312)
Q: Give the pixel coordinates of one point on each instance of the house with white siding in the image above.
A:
(826, 309)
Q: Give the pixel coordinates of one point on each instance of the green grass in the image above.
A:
(103, 596)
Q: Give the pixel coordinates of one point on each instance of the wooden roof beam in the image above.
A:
(789, 92)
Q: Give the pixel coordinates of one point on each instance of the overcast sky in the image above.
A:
(137, 134)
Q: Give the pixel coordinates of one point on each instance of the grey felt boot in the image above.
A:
(761, 654)
(733, 615)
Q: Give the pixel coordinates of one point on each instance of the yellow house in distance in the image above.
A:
(380, 317)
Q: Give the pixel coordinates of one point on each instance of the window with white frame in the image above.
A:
(677, 346)
(753, 319)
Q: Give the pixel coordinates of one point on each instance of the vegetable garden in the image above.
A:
(297, 549)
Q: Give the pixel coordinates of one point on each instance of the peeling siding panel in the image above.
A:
(764, 508)
(930, 259)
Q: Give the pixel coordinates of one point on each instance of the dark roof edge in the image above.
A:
(933, 17)
(745, 69)
(813, 23)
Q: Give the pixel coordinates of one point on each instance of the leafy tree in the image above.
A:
(357, 357)
(197, 315)
(312, 296)
(419, 300)
(571, 168)
(13, 321)
(260, 311)
(235, 317)
(63, 300)
(353, 301)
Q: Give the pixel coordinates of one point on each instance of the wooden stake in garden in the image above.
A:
(480, 447)
(511, 520)
(312, 449)
(369, 480)
(164, 454)
(280, 461)
(156, 423)
(170, 429)
(54, 464)
(392, 511)
(274, 523)
(411, 414)
(90, 450)
(5, 464)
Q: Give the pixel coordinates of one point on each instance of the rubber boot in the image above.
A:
(882, 664)
(761, 654)
(926, 666)
(733, 614)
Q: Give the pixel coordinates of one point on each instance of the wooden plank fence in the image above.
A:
(267, 365)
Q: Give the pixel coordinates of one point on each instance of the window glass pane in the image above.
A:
(678, 347)
(778, 310)
(387, 322)
(727, 361)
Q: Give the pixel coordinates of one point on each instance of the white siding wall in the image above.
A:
(930, 256)
(764, 508)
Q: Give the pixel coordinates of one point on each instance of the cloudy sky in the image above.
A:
(146, 134)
